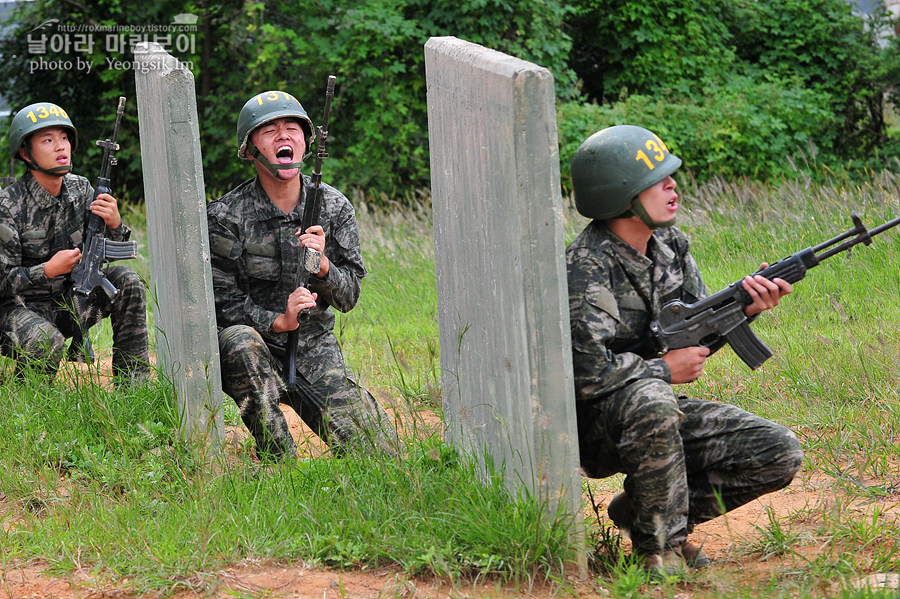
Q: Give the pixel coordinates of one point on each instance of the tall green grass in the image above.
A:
(392, 334)
(95, 478)
(98, 480)
(835, 373)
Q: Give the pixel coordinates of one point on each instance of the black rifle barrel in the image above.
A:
(83, 281)
(859, 234)
(882, 228)
(110, 146)
(311, 212)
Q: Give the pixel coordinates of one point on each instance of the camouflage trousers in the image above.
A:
(36, 333)
(335, 407)
(685, 460)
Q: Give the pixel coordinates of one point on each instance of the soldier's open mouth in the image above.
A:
(284, 154)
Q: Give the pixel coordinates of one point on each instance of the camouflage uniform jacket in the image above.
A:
(255, 263)
(614, 294)
(34, 225)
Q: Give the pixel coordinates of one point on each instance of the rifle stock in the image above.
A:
(719, 319)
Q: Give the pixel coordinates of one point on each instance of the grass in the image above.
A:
(99, 481)
(99, 478)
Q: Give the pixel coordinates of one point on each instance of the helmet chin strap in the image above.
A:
(272, 168)
(57, 171)
(637, 209)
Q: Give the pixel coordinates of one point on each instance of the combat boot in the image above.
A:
(676, 560)
(668, 562)
(694, 556)
(620, 512)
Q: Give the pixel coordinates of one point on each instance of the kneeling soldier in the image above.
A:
(685, 460)
(43, 219)
(256, 246)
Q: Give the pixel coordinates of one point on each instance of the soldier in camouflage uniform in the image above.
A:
(256, 250)
(43, 220)
(685, 460)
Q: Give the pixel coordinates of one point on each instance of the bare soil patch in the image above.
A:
(725, 539)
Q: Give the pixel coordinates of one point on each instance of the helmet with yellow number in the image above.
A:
(34, 117)
(267, 107)
(614, 165)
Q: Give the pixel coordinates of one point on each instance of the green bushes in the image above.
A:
(761, 130)
(749, 89)
(756, 89)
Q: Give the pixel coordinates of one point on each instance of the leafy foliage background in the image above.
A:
(756, 89)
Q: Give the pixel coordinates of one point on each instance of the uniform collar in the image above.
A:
(266, 210)
(657, 250)
(41, 195)
(660, 250)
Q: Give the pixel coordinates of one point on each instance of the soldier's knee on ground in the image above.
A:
(788, 457)
(239, 338)
(41, 352)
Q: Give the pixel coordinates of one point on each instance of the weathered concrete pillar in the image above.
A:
(186, 342)
(503, 311)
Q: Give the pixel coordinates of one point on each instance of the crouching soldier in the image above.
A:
(685, 460)
(43, 219)
(256, 242)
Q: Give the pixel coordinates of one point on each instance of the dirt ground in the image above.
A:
(724, 539)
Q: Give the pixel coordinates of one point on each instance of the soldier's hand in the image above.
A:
(766, 294)
(62, 263)
(686, 364)
(300, 299)
(314, 239)
(107, 208)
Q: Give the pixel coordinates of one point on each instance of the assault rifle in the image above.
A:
(310, 260)
(719, 319)
(98, 250)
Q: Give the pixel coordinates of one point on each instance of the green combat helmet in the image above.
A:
(264, 108)
(32, 118)
(613, 166)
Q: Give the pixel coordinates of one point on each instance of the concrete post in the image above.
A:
(187, 347)
(503, 312)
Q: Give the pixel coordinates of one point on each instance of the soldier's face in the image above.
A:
(282, 141)
(50, 147)
(660, 201)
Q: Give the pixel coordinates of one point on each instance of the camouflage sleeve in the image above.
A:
(230, 280)
(120, 233)
(341, 287)
(15, 278)
(595, 318)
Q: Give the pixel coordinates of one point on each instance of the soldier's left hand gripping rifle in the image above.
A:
(311, 260)
(98, 250)
(719, 319)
